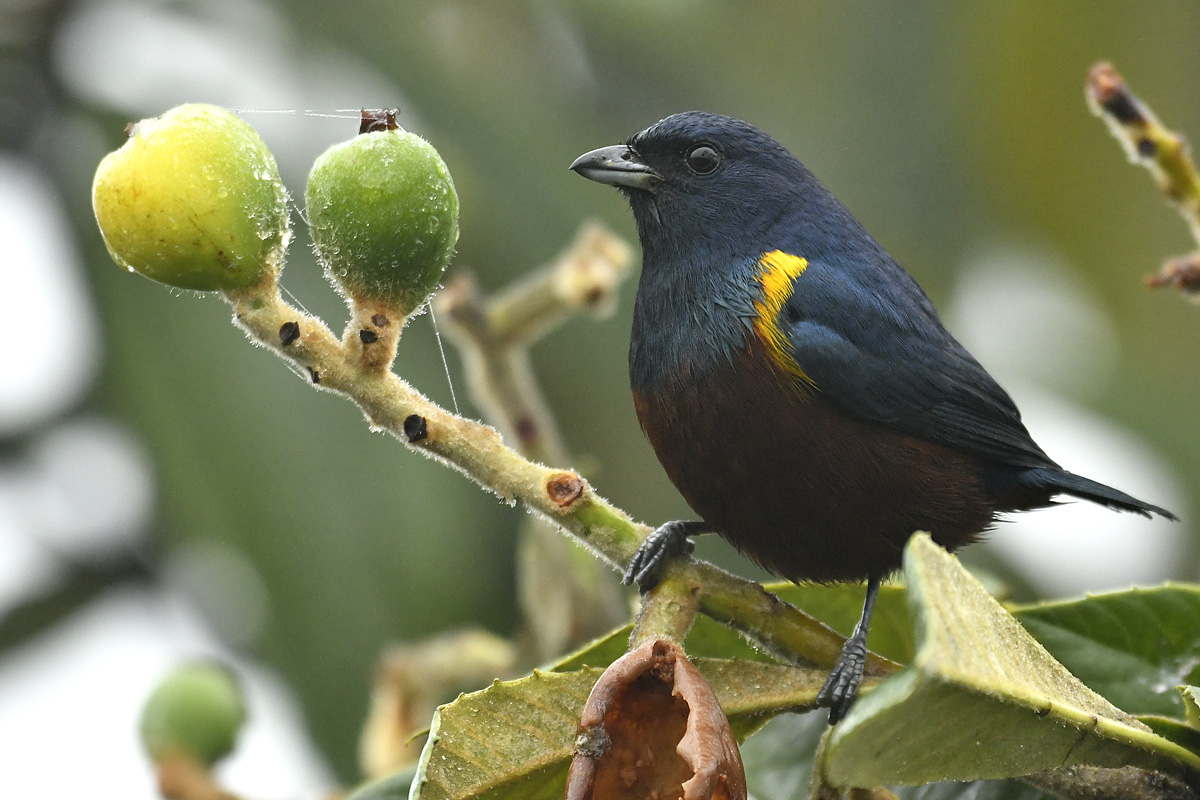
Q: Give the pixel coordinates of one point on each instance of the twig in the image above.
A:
(565, 594)
(667, 612)
(477, 451)
(494, 333)
(1161, 151)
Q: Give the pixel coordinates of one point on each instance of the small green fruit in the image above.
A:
(384, 218)
(193, 200)
(196, 711)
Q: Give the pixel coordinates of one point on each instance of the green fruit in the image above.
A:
(196, 711)
(384, 218)
(193, 200)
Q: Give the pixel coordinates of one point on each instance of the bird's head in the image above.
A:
(706, 181)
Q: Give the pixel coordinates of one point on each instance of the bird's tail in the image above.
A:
(1059, 480)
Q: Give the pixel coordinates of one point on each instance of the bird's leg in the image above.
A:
(670, 540)
(842, 685)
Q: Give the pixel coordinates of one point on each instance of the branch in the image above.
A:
(349, 367)
(668, 611)
(1161, 151)
(566, 597)
(494, 333)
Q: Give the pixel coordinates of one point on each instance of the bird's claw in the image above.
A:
(667, 542)
(841, 687)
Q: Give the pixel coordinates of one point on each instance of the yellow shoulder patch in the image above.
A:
(777, 271)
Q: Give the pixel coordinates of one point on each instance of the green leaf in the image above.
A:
(1191, 701)
(707, 638)
(838, 606)
(981, 700)
(393, 787)
(779, 758)
(1170, 728)
(597, 653)
(514, 739)
(1133, 646)
(779, 761)
(1186, 732)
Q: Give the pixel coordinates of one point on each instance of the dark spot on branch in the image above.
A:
(288, 333)
(415, 427)
(316, 376)
(593, 296)
(563, 489)
(380, 320)
(383, 119)
(1107, 88)
(1126, 109)
(1146, 148)
(368, 336)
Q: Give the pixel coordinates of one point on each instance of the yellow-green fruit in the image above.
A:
(196, 711)
(193, 200)
(384, 217)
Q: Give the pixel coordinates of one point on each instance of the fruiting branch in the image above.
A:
(384, 216)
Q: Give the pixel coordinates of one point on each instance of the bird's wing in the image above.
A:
(872, 343)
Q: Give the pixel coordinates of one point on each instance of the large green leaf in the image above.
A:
(981, 700)
(779, 760)
(514, 739)
(1133, 646)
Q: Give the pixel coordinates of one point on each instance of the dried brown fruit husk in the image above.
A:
(652, 728)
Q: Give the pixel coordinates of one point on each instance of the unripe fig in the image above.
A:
(384, 218)
(196, 711)
(193, 200)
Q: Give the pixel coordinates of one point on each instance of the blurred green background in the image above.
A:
(946, 127)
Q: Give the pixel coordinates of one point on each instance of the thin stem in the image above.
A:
(667, 612)
(565, 597)
(1160, 150)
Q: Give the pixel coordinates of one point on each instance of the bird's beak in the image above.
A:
(617, 166)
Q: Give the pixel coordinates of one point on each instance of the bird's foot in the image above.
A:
(841, 686)
(669, 541)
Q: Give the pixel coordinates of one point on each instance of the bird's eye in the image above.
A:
(703, 159)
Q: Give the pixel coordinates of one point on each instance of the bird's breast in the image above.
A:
(800, 486)
(689, 322)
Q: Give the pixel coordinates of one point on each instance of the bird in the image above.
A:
(796, 383)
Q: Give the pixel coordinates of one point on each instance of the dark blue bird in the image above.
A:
(796, 383)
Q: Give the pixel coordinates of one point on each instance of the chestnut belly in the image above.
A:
(802, 488)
